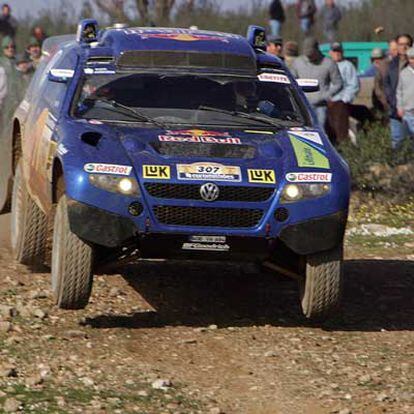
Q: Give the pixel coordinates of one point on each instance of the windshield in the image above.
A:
(190, 100)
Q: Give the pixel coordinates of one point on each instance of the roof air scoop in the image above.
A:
(87, 31)
(256, 36)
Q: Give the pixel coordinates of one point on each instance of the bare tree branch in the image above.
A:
(115, 9)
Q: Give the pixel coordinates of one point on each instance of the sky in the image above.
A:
(22, 7)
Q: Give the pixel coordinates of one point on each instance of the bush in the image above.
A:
(375, 166)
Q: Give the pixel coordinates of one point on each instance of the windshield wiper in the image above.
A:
(136, 113)
(241, 115)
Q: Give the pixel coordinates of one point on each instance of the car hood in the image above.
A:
(282, 151)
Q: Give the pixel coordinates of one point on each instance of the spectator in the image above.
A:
(339, 106)
(8, 24)
(39, 34)
(275, 46)
(3, 88)
(404, 42)
(405, 93)
(379, 99)
(8, 64)
(277, 17)
(305, 11)
(331, 16)
(34, 51)
(392, 49)
(25, 71)
(312, 64)
(290, 52)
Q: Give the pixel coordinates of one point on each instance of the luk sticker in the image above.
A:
(308, 156)
(309, 177)
(156, 172)
(107, 169)
(208, 171)
(307, 135)
(197, 135)
(273, 77)
(262, 176)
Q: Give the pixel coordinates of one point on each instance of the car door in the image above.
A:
(39, 143)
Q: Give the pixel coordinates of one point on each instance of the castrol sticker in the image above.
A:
(273, 77)
(309, 177)
(113, 169)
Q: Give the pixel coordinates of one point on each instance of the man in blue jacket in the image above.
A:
(339, 105)
(397, 64)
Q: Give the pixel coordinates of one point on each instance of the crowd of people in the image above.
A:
(307, 13)
(393, 71)
(16, 69)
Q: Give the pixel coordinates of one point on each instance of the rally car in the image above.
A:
(175, 143)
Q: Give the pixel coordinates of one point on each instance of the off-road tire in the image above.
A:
(71, 263)
(321, 288)
(28, 223)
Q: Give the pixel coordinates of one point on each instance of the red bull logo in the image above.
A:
(199, 135)
(184, 37)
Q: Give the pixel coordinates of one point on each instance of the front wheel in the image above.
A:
(321, 288)
(71, 263)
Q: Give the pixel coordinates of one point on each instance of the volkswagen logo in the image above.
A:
(209, 192)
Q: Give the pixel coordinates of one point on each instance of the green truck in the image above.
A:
(359, 53)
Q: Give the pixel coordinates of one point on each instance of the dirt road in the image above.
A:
(215, 339)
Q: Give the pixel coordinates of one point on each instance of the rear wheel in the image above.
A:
(71, 263)
(321, 288)
(28, 223)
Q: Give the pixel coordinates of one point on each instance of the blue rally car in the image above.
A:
(179, 144)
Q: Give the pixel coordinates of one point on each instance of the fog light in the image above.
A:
(135, 208)
(281, 214)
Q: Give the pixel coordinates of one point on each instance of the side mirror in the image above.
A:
(308, 85)
(256, 36)
(87, 31)
(60, 75)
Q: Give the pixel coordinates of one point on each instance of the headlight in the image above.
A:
(297, 192)
(115, 184)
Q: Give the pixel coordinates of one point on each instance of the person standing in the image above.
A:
(39, 34)
(313, 65)
(339, 105)
(392, 49)
(275, 46)
(290, 52)
(405, 93)
(8, 24)
(404, 42)
(305, 11)
(379, 99)
(331, 16)
(34, 51)
(277, 17)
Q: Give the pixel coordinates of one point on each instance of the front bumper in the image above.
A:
(111, 230)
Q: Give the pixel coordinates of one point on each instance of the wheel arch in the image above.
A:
(58, 180)
(17, 147)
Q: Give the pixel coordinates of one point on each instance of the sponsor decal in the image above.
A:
(208, 171)
(307, 135)
(309, 177)
(274, 77)
(213, 247)
(197, 135)
(156, 172)
(250, 131)
(107, 169)
(181, 35)
(99, 71)
(262, 176)
(308, 156)
(62, 150)
(207, 239)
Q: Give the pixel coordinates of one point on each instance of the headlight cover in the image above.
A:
(298, 192)
(115, 184)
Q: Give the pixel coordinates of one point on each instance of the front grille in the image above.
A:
(208, 217)
(192, 192)
(187, 149)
